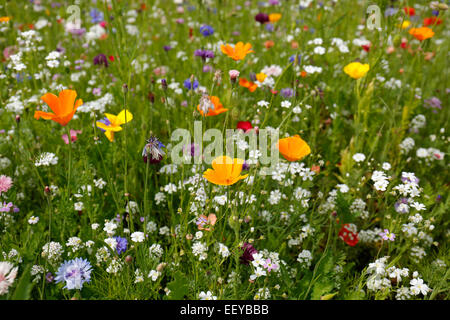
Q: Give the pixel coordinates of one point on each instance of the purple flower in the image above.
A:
(292, 58)
(433, 103)
(74, 273)
(96, 16)
(153, 149)
(269, 27)
(190, 85)
(206, 30)
(386, 235)
(204, 54)
(49, 277)
(101, 59)
(167, 48)
(401, 206)
(262, 18)
(287, 92)
(247, 256)
(207, 68)
(121, 245)
(390, 12)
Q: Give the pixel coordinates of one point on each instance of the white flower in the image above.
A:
(257, 259)
(285, 104)
(206, 296)
(259, 272)
(79, 206)
(418, 287)
(33, 220)
(386, 166)
(359, 157)
(138, 236)
(154, 275)
(110, 228)
(46, 159)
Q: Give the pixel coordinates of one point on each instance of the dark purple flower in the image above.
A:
(262, 18)
(167, 48)
(121, 245)
(101, 59)
(435, 13)
(247, 256)
(245, 166)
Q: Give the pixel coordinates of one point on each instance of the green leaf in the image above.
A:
(23, 289)
(178, 287)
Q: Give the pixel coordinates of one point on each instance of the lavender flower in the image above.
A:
(74, 273)
(386, 235)
(190, 85)
(96, 16)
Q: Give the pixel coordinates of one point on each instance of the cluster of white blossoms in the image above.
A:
(52, 251)
(383, 277)
(46, 159)
(199, 249)
(53, 59)
(305, 258)
(7, 275)
(407, 145)
(380, 179)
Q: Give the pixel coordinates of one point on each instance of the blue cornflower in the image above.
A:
(292, 58)
(122, 244)
(390, 12)
(190, 85)
(74, 273)
(96, 16)
(206, 30)
(287, 93)
(269, 27)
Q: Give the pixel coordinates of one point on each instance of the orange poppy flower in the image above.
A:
(251, 86)
(274, 17)
(269, 44)
(422, 33)
(293, 148)
(4, 19)
(64, 107)
(238, 52)
(225, 172)
(218, 107)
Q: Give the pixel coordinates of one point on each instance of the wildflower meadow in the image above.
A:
(224, 150)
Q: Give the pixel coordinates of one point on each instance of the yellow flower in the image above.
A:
(405, 24)
(261, 76)
(225, 172)
(274, 17)
(293, 148)
(356, 70)
(113, 123)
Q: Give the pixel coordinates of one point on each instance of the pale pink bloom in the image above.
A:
(233, 74)
(5, 183)
(73, 136)
(7, 275)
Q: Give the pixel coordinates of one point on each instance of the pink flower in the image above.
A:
(73, 136)
(5, 183)
(386, 235)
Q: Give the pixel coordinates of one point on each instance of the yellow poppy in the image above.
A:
(356, 70)
(113, 123)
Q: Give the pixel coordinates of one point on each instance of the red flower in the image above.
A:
(366, 47)
(410, 11)
(349, 234)
(431, 21)
(244, 125)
